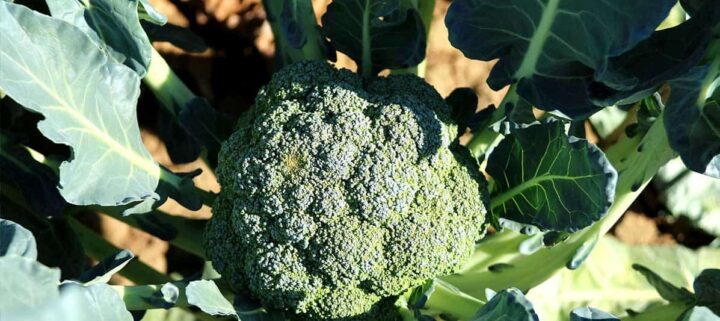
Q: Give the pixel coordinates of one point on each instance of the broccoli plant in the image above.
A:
(350, 195)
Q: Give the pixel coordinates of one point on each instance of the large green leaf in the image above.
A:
(552, 48)
(606, 280)
(377, 34)
(25, 284)
(665, 55)
(546, 179)
(51, 67)
(16, 240)
(115, 25)
(693, 119)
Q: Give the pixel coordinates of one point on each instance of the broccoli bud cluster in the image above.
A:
(340, 193)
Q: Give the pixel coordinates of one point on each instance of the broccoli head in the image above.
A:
(339, 193)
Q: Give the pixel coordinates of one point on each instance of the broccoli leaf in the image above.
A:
(105, 269)
(377, 34)
(549, 180)
(206, 295)
(552, 48)
(26, 283)
(667, 290)
(114, 24)
(180, 37)
(51, 67)
(590, 314)
(16, 240)
(707, 289)
(693, 123)
(94, 302)
(667, 54)
(509, 304)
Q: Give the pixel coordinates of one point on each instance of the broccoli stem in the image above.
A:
(139, 297)
(666, 312)
(484, 140)
(167, 87)
(637, 160)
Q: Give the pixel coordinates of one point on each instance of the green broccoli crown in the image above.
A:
(338, 194)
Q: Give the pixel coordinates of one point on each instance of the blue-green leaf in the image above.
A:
(707, 289)
(148, 13)
(591, 314)
(667, 290)
(91, 303)
(509, 304)
(699, 313)
(693, 123)
(114, 24)
(16, 240)
(552, 48)
(51, 67)
(547, 179)
(25, 283)
(206, 295)
(377, 34)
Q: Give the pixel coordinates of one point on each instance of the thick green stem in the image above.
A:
(637, 160)
(166, 86)
(481, 142)
(140, 297)
(666, 312)
(366, 63)
(447, 300)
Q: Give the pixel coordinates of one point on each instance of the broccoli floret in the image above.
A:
(339, 193)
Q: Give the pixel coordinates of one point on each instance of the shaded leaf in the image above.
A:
(377, 34)
(57, 244)
(666, 289)
(549, 180)
(37, 182)
(208, 126)
(180, 37)
(205, 295)
(693, 123)
(105, 269)
(16, 240)
(707, 289)
(667, 54)
(509, 304)
(552, 48)
(588, 314)
(181, 146)
(95, 116)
